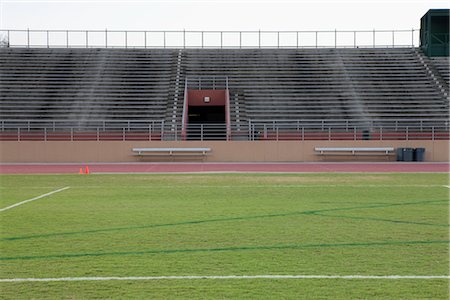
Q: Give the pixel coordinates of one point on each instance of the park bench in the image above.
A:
(354, 151)
(171, 152)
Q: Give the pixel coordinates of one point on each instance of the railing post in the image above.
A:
(329, 133)
(335, 38)
(297, 39)
(303, 133)
(373, 38)
(145, 39)
(28, 37)
(354, 39)
(18, 134)
(240, 40)
(278, 40)
(202, 39)
(221, 39)
(201, 132)
(87, 39)
(432, 133)
(316, 38)
(123, 134)
(393, 38)
(8, 37)
(98, 134)
(126, 39)
(67, 38)
(164, 39)
(150, 131)
(71, 134)
(45, 134)
(48, 40)
(407, 133)
(354, 133)
(259, 39)
(412, 38)
(184, 38)
(106, 38)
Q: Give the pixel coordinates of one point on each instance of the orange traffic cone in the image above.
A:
(81, 171)
(86, 170)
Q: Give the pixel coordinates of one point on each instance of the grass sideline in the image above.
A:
(226, 224)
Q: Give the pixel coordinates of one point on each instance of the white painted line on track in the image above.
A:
(135, 278)
(35, 198)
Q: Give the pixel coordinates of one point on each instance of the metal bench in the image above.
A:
(354, 151)
(171, 151)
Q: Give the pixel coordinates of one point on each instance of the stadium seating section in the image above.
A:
(84, 86)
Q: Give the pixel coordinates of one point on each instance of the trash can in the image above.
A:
(419, 154)
(408, 154)
(400, 154)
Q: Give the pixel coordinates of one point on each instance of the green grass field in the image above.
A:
(226, 224)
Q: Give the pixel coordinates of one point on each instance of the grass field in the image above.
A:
(226, 224)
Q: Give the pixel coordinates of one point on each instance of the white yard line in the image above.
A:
(134, 278)
(35, 198)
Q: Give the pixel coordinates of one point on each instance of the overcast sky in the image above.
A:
(215, 15)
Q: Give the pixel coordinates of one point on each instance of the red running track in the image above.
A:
(224, 167)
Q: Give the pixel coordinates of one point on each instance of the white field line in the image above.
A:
(150, 186)
(35, 198)
(134, 278)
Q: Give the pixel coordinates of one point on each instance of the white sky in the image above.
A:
(215, 15)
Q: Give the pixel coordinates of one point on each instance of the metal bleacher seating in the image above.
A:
(87, 86)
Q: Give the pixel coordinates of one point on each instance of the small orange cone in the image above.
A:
(81, 171)
(87, 170)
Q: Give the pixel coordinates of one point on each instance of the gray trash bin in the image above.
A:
(408, 154)
(400, 154)
(419, 154)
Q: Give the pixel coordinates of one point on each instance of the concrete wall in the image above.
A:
(232, 151)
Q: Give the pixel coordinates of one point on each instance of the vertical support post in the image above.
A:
(67, 38)
(126, 39)
(48, 42)
(297, 39)
(240, 39)
(432, 133)
(221, 39)
(354, 133)
(184, 38)
(412, 38)
(329, 133)
(98, 134)
(18, 134)
(373, 38)
(278, 40)
(407, 133)
(335, 38)
(123, 134)
(87, 39)
(8, 38)
(45, 134)
(259, 39)
(381, 133)
(106, 38)
(145, 39)
(354, 39)
(150, 131)
(71, 134)
(317, 38)
(201, 132)
(164, 39)
(303, 133)
(202, 39)
(393, 38)
(28, 37)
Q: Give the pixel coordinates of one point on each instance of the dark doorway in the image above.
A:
(207, 122)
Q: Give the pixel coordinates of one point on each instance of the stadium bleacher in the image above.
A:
(84, 87)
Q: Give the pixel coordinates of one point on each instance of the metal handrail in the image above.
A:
(31, 38)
